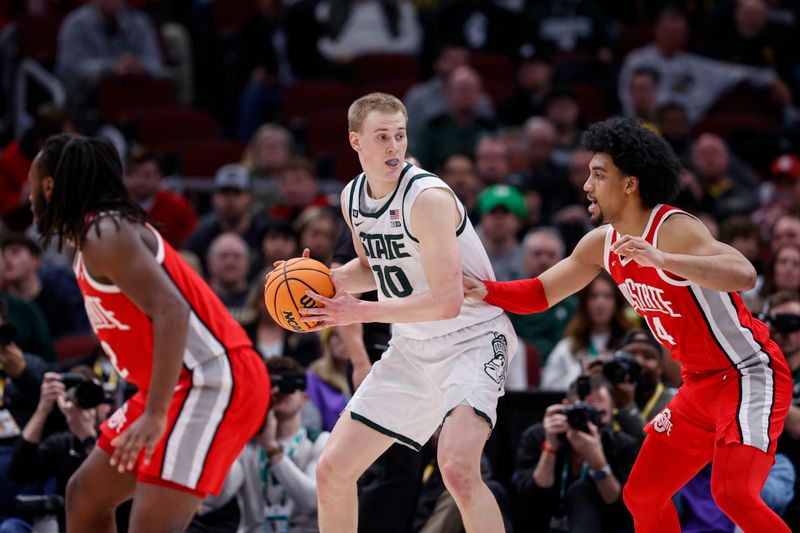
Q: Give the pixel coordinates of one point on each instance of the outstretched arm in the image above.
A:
(687, 249)
(117, 253)
(566, 277)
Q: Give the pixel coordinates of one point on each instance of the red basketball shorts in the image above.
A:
(217, 408)
(746, 406)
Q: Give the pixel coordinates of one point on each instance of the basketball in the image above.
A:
(285, 291)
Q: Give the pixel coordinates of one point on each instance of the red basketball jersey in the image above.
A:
(703, 329)
(126, 333)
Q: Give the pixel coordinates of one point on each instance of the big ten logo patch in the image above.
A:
(663, 422)
(497, 367)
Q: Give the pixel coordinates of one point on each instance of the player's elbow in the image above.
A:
(748, 276)
(176, 310)
(449, 305)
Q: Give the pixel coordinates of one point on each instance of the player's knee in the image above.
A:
(460, 477)
(78, 495)
(638, 496)
(331, 473)
(733, 499)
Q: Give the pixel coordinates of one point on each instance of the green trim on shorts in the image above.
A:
(478, 412)
(388, 432)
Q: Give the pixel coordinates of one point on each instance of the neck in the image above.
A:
(633, 220)
(378, 187)
(27, 288)
(463, 117)
(499, 246)
(644, 391)
(235, 224)
(288, 427)
(598, 329)
(221, 287)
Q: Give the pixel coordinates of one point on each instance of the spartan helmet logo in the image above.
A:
(497, 367)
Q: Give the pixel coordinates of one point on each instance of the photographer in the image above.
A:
(276, 486)
(635, 375)
(782, 314)
(571, 467)
(60, 454)
(20, 379)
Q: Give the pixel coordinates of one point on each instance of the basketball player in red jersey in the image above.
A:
(737, 386)
(203, 390)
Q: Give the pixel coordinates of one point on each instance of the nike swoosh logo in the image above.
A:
(358, 223)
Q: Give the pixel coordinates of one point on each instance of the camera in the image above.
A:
(784, 322)
(580, 414)
(622, 367)
(7, 334)
(288, 382)
(83, 392)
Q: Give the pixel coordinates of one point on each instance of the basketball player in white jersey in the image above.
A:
(447, 359)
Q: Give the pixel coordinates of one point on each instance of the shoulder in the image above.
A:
(533, 433)
(80, 16)
(592, 245)
(138, 18)
(17, 307)
(623, 444)
(106, 231)
(433, 198)
(682, 231)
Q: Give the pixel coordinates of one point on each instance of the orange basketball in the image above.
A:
(285, 291)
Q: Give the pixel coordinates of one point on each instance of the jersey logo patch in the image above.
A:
(497, 367)
(100, 317)
(646, 298)
(663, 422)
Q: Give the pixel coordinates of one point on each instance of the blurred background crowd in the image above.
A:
(230, 119)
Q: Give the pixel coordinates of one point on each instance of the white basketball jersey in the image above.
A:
(388, 241)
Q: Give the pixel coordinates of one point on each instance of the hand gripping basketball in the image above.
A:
(286, 287)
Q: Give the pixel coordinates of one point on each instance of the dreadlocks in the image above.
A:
(87, 176)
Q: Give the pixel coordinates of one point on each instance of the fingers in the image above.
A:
(148, 452)
(277, 264)
(318, 297)
(306, 253)
(126, 449)
(51, 376)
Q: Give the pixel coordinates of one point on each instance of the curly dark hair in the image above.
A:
(87, 176)
(638, 151)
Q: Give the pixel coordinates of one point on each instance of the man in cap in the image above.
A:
(502, 211)
(232, 202)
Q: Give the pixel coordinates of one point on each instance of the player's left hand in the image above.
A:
(277, 264)
(639, 250)
(341, 310)
(588, 445)
(143, 433)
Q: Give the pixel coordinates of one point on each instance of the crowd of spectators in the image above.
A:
(498, 94)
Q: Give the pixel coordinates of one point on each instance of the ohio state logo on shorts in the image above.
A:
(663, 421)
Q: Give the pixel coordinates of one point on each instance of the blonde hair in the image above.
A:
(381, 102)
